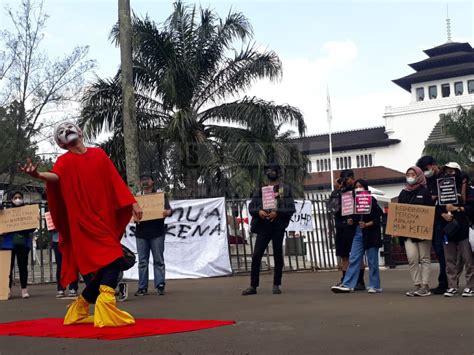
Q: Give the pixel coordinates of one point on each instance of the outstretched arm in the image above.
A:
(32, 170)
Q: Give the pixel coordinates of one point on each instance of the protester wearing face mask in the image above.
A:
(367, 240)
(20, 244)
(270, 225)
(433, 173)
(418, 250)
(455, 226)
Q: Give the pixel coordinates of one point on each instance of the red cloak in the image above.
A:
(90, 206)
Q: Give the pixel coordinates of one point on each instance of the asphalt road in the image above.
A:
(306, 319)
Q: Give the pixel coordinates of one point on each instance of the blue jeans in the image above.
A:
(57, 255)
(355, 259)
(157, 248)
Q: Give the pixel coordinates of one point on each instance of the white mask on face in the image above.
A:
(428, 173)
(18, 202)
(411, 180)
(66, 133)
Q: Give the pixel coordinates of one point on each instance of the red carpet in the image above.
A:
(54, 328)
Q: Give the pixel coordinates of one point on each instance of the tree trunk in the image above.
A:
(128, 109)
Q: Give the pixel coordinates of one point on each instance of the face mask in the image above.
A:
(18, 202)
(359, 189)
(428, 173)
(66, 133)
(272, 176)
(411, 181)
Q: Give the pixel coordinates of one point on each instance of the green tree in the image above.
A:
(187, 89)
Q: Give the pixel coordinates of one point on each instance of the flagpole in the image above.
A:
(329, 117)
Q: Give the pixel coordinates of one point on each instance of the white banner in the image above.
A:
(196, 241)
(301, 221)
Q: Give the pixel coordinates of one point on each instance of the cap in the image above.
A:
(452, 165)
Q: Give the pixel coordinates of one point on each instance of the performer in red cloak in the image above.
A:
(90, 206)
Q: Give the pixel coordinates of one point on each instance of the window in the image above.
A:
(445, 90)
(420, 94)
(470, 86)
(310, 166)
(370, 160)
(326, 165)
(350, 163)
(458, 88)
(345, 162)
(363, 161)
(337, 163)
(366, 160)
(358, 161)
(433, 91)
(318, 168)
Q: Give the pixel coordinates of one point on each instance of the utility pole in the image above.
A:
(128, 96)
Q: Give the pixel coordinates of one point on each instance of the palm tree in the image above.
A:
(189, 101)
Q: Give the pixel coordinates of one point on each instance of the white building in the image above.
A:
(381, 155)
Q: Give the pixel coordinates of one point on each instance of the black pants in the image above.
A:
(438, 246)
(58, 257)
(108, 276)
(21, 253)
(276, 236)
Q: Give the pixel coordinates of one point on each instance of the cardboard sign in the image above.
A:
(406, 220)
(363, 202)
(152, 205)
(447, 192)
(49, 221)
(268, 198)
(347, 204)
(5, 259)
(19, 219)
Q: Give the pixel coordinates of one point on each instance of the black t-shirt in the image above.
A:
(154, 228)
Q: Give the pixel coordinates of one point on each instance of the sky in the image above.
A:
(353, 48)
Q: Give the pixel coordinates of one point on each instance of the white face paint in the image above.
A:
(66, 133)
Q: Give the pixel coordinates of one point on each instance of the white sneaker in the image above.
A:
(72, 293)
(451, 292)
(60, 294)
(374, 290)
(341, 289)
(24, 293)
(468, 292)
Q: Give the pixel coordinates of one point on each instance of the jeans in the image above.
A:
(276, 236)
(419, 261)
(21, 253)
(58, 257)
(355, 258)
(438, 246)
(157, 248)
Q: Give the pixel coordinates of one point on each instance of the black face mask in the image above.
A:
(272, 176)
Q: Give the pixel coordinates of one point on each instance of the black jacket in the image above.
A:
(421, 196)
(343, 229)
(373, 234)
(285, 209)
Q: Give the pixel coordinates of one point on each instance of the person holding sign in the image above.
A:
(418, 250)
(455, 227)
(150, 236)
(20, 243)
(367, 240)
(91, 206)
(271, 215)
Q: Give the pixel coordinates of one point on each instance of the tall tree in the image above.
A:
(36, 83)
(187, 89)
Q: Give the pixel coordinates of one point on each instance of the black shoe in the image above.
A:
(438, 290)
(141, 292)
(276, 290)
(360, 287)
(249, 291)
(161, 289)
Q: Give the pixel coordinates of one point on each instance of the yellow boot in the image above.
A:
(106, 313)
(78, 312)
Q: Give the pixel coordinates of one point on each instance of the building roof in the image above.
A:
(347, 140)
(439, 134)
(377, 175)
(446, 61)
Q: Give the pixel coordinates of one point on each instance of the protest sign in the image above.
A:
(196, 241)
(447, 192)
(19, 219)
(152, 205)
(49, 221)
(363, 202)
(268, 198)
(5, 260)
(347, 203)
(406, 220)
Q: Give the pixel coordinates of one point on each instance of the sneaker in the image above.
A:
(160, 289)
(360, 287)
(423, 291)
(438, 290)
(451, 292)
(24, 293)
(276, 290)
(374, 290)
(468, 292)
(60, 294)
(341, 289)
(122, 291)
(413, 291)
(249, 291)
(141, 292)
(72, 293)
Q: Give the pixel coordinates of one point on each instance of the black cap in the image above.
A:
(424, 161)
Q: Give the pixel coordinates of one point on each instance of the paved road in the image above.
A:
(306, 319)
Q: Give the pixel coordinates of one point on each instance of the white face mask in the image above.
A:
(411, 180)
(67, 133)
(359, 189)
(428, 173)
(18, 202)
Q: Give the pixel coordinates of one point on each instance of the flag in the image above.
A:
(328, 109)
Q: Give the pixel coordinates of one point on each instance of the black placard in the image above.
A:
(447, 192)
